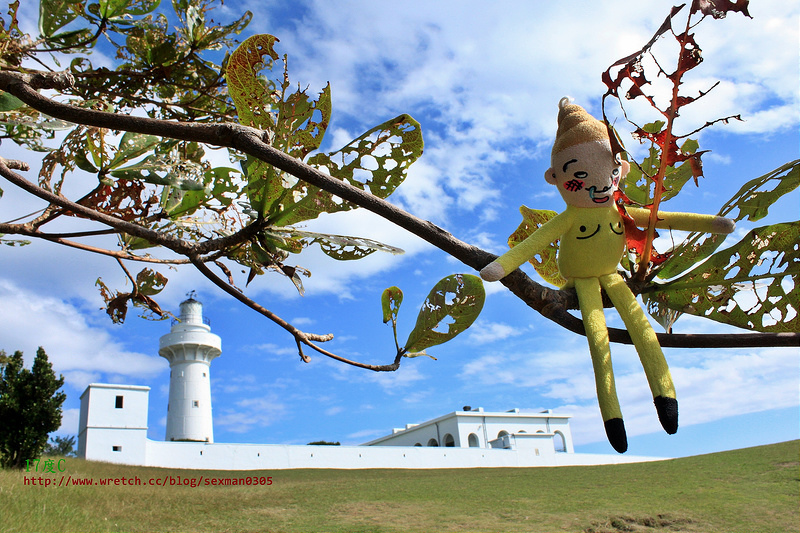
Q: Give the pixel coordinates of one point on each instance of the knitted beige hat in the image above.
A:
(576, 126)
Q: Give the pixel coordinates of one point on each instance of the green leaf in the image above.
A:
(115, 8)
(141, 7)
(215, 37)
(302, 122)
(9, 102)
(149, 282)
(255, 102)
(375, 162)
(752, 201)
(390, 304)
(83, 163)
(253, 99)
(218, 186)
(457, 299)
(72, 38)
(131, 146)
(544, 262)
(55, 14)
(638, 186)
(158, 170)
(753, 284)
(340, 247)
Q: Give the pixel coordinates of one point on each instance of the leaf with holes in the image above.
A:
(753, 284)
(544, 262)
(149, 282)
(752, 202)
(390, 304)
(253, 97)
(301, 122)
(55, 14)
(375, 162)
(458, 298)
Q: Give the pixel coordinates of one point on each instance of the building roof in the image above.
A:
(114, 386)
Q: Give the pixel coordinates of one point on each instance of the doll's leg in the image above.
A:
(646, 342)
(594, 321)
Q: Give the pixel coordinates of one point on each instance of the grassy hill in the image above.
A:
(755, 489)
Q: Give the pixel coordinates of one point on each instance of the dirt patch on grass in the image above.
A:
(641, 524)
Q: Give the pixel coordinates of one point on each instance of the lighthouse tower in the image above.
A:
(189, 347)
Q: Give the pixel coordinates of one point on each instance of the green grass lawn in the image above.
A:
(755, 489)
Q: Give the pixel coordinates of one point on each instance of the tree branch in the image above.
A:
(301, 337)
(552, 304)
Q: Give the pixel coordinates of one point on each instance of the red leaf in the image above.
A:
(720, 8)
(634, 236)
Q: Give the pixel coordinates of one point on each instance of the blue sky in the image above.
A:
(484, 80)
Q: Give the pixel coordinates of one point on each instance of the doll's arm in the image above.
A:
(683, 221)
(535, 243)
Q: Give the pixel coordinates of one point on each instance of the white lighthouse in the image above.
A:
(189, 347)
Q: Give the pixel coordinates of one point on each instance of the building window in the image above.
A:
(195, 403)
(559, 443)
(449, 441)
(473, 441)
(205, 375)
(116, 448)
(118, 403)
(433, 442)
(502, 434)
(418, 444)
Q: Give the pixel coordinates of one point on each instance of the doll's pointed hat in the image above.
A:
(576, 126)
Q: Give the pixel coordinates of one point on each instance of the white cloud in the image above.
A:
(70, 419)
(250, 413)
(493, 75)
(483, 332)
(79, 350)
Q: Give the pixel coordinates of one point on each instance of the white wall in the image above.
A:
(113, 430)
(202, 456)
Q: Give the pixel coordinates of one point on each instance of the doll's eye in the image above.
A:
(581, 175)
(583, 229)
(615, 172)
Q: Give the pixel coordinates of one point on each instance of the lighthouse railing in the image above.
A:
(177, 320)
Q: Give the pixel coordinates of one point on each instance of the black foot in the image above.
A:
(667, 409)
(615, 431)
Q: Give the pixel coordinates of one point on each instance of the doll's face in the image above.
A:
(587, 174)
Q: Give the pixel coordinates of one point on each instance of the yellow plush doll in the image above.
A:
(592, 234)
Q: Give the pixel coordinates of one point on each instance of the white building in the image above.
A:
(113, 423)
(542, 433)
(113, 427)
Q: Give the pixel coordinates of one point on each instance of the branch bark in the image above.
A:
(550, 303)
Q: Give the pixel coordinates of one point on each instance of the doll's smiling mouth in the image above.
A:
(595, 195)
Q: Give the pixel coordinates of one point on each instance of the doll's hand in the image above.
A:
(723, 225)
(493, 271)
